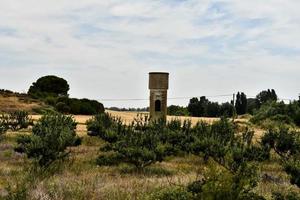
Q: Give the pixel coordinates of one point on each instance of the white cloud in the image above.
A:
(106, 48)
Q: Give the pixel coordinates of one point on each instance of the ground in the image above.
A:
(81, 178)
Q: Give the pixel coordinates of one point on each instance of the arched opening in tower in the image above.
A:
(157, 106)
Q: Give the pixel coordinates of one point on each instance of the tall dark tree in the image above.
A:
(49, 86)
(241, 103)
(193, 106)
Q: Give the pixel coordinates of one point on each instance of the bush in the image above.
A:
(220, 184)
(109, 159)
(78, 106)
(177, 111)
(142, 143)
(175, 193)
(278, 112)
(15, 121)
(3, 125)
(50, 138)
(289, 196)
(292, 168)
(18, 120)
(286, 144)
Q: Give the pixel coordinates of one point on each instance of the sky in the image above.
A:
(106, 48)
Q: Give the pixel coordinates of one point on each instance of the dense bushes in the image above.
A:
(278, 112)
(78, 106)
(50, 137)
(14, 121)
(204, 108)
(177, 110)
(139, 143)
(286, 143)
(144, 142)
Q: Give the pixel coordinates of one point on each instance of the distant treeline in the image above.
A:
(266, 103)
(145, 109)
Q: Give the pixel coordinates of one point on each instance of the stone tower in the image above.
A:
(158, 85)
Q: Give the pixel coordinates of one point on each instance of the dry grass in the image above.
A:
(13, 103)
(81, 178)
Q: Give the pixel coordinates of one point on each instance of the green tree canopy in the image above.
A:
(49, 86)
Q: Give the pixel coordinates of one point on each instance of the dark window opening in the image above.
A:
(157, 106)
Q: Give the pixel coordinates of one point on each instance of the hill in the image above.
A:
(11, 101)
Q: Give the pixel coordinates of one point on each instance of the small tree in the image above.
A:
(286, 144)
(50, 138)
(141, 143)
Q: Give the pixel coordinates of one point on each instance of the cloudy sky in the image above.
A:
(105, 48)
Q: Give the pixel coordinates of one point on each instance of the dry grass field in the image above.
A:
(12, 103)
(80, 177)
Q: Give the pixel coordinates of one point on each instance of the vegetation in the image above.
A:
(278, 112)
(177, 110)
(78, 106)
(53, 91)
(51, 135)
(14, 121)
(241, 103)
(204, 108)
(49, 86)
(286, 143)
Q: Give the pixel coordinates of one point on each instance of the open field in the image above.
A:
(80, 177)
(128, 117)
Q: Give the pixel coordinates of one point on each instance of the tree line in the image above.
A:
(202, 107)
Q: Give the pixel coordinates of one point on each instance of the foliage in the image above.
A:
(49, 86)
(220, 184)
(50, 138)
(3, 125)
(286, 144)
(177, 110)
(78, 106)
(278, 112)
(173, 193)
(141, 143)
(204, 108)
(289, 196)
(14, 121)
(265, 96)
(241, 103)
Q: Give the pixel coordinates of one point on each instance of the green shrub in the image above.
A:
(109, 159)
(292, 168)
(3, 125)
(62, 107)
(286, 144)
(78, 106)
(174, 193)
(18, 120)
(50, 138)
(221, 184)
(278, 112)
(289, 196)
(15, 121)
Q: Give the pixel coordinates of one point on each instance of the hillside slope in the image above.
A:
(10, 101)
